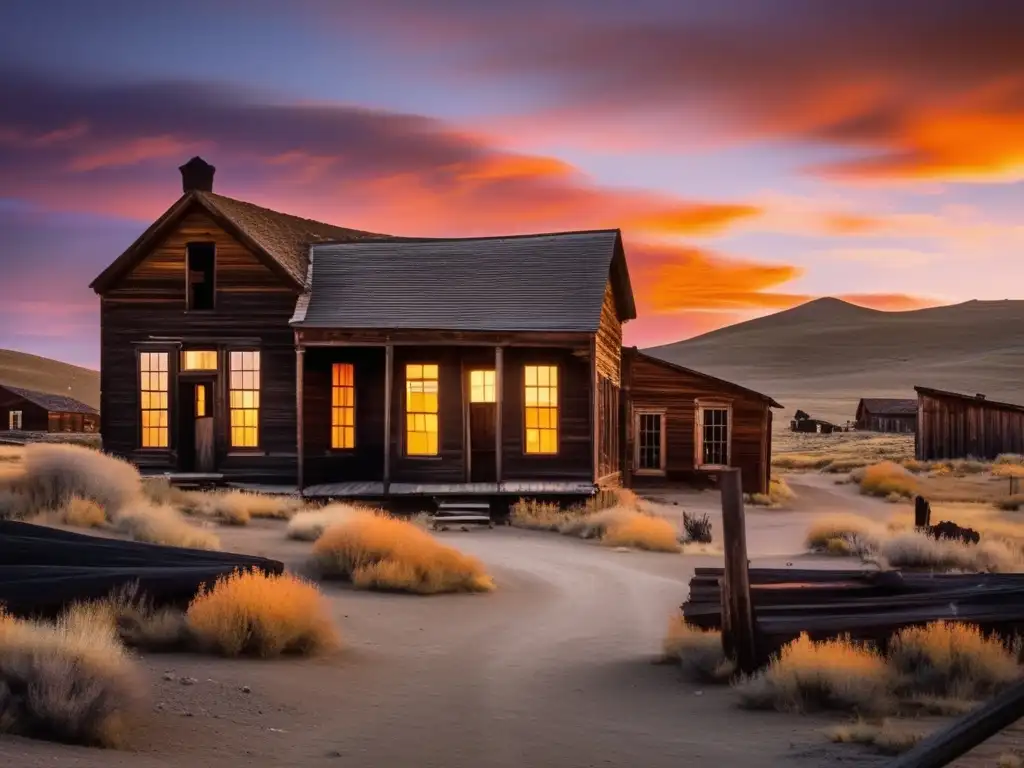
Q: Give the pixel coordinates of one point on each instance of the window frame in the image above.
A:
(333, 407)
(139, 352)
(21, 421)
(405, 412)
(213, 276)
(557, 409)
(711, 405)
(492, 387)
(663, 414)
(232, 448)
(183, 353)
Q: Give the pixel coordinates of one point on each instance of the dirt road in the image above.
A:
(553, 669)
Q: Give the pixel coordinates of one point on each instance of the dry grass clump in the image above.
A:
(778, 494)
(144, 521)
(69, 681)
(83, 514)
(55, 474)
(375, 551)
(949, 659)
(541, 515)
(920, 551)
(800, 461)
(1010, 503)
(699, 652)
(252, 613)
(630, 528)
(234, 507)
(11, 453)
(1010, 760)
(844, 534)
(808, 676)
(884, 737)
(310, 525)
(887, 478)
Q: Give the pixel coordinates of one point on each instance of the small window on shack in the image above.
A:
(14, 420)
(714, 435)
(200, 271)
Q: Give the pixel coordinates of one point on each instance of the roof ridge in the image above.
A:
(216, 196)
(404, 239)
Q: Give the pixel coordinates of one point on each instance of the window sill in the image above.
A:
(713, 467)
(649, 472)
(246, 452)
(422, 458)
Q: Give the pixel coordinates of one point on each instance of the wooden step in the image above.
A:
(454, 519)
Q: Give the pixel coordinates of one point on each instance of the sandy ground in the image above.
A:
(553, 669)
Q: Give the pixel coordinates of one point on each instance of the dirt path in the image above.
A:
(553, 669)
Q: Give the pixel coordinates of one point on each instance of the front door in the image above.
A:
(482, 427)
(195, 426)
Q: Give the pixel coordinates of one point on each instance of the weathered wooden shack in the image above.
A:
(684, 425)
(31, 411)
(810, 424)
(887, 414)
(951, 425)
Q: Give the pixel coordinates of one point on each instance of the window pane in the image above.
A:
(540, 400)
(244, 398)
(421, 408)
(715, 436)
(199, 360)
(152, 400)
(343, 402)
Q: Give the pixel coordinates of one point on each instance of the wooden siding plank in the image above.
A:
(960, 428)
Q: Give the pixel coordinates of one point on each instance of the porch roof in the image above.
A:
(548, 283)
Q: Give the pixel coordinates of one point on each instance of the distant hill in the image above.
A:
(825, 355)
(20, 369)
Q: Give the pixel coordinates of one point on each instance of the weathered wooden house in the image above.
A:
(31, 411)
(810, 424)
(887, 414)
(951, 425)
(244, 345)
(685, 425)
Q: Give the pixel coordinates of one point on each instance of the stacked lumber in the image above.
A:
(43, 570)
(867, 605)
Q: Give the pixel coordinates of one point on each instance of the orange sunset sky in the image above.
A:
(755, 155)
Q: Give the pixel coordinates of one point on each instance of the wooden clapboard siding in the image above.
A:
(953, 426)
(608, 342)
(574, 460)
(252, 309)
(654, 384)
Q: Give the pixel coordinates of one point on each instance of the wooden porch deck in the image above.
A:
(509, 488)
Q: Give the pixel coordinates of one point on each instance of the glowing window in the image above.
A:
(481, 386)
(200, 400)
(153, 400)
(245, 399)
(421, 390)
(199, 360)
(343, 406)
(541, 409)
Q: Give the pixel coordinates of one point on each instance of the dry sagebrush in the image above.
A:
(844, 534)
(885, 479)
(69, 681)
(233, 507)
(310, 525)
(253, 613)
(697, 651)
(884, 737)
(375, 551)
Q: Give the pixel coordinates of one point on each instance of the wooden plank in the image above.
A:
(499, 386)
(595, 413)
(300, 391)
(204, 444)
(389, 375)
(741, 614)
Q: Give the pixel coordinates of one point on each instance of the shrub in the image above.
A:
(840, 465)
(11, 453)
(541, 516)
(886, 738)
(251, 613)
(834, 674)
(698, 529)
(952, 659)
(144, 521)
(886, 478)
(69, 681)
(779, 492)
(1011, 503)
(843, 534)
(918, 550)
(699, 652)
(55, 474)
(309, 526)
(640, 531)
(83, 514)
(238, 507)
(379, 552)
(800, 461)
(1010, 458)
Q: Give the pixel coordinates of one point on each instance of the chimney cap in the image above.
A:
(197, 175)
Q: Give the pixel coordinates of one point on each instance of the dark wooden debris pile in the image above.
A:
(43, 570)
(945, 529)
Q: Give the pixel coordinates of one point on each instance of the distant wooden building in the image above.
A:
(886, 414)
(30, 411)
(951, 425)
(685, 425)
(809, 424)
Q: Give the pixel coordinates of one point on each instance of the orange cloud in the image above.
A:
(134, 152)
(694, 219)
(852, 224)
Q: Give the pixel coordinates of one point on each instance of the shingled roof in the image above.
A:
(54, 403)
(548, 282)
(280, 239)
(888, 406)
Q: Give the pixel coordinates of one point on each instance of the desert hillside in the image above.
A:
(19, 369)
(825, 355)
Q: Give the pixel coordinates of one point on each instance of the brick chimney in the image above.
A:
(197, 174)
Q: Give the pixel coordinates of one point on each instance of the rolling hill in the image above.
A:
(825, 355)
(20, 369)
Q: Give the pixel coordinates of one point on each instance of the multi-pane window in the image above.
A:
(715, 436)
(343, 406)
(200, 401)
(481, 387)
(650, 441)
(153, 400)
(541, 402)
(245, 399)
(199, 360)
(421, 406)
(14, 420)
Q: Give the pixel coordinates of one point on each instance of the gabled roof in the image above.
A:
(50, 402)
(547, 282)
(887, 406)
(708, 377)
(280, 240)
(978, 399)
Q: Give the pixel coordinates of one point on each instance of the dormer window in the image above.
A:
(200, 259)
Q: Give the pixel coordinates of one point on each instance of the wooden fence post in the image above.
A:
(737, 576)
(922, 512)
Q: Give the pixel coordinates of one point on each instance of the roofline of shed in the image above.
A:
(683, 369)
(403, 239)
(972, 398)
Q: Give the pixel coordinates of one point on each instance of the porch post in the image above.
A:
(595, 410)
(499, 375)
(300, 365)
(389, 364)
